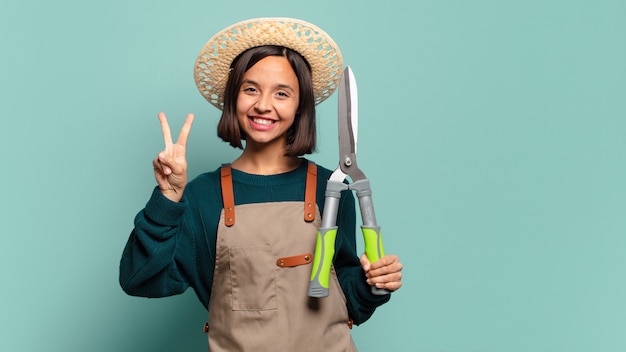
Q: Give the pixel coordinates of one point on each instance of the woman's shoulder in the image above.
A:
(206, 178)
(322, 172)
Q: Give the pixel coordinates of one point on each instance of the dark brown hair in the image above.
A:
(301, 136)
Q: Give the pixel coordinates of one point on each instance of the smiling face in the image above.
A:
(267, 101)
(301, 137)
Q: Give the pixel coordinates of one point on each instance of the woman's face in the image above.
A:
(267, 101)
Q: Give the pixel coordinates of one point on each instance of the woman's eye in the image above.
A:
(249, 89)
(283, 94)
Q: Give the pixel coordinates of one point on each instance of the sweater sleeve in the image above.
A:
(148, 267)
(360, 300)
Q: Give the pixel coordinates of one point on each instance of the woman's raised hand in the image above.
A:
(170, 166)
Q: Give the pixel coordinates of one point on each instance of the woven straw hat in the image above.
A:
(323, 55)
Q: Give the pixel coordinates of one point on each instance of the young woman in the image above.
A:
(242, 236)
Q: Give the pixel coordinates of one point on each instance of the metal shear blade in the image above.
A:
(348, 128)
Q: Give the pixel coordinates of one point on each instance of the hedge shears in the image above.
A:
(326, 234)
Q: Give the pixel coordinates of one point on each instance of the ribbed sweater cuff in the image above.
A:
(370, 298)
(163, 211)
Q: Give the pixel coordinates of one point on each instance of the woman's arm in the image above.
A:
(148, 267)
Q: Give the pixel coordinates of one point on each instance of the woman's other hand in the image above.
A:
(384, 273)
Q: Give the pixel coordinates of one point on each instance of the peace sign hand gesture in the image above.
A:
(170, 166)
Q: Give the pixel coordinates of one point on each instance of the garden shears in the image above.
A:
(326, 234)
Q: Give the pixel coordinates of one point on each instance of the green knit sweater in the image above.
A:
(172, 246)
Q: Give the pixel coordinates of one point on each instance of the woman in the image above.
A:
(242, 236)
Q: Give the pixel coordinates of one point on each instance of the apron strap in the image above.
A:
(229, 199)
(227, 195)
(310, 192)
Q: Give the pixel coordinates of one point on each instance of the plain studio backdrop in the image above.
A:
(493, 133)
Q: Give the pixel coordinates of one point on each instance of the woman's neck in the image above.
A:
(265, 162)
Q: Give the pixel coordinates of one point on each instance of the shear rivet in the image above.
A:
(347, 161)
(307, 258)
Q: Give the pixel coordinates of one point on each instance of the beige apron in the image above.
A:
(259, 298)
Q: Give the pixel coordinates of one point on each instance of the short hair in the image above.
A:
(301, 136)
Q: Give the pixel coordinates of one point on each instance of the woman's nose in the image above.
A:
(263, 104)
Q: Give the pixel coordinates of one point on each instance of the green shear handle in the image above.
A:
(325, 244)
(372, 235)
(326, 235)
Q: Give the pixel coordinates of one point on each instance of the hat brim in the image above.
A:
(316, 46)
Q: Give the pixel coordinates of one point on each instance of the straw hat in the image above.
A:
(323, 55)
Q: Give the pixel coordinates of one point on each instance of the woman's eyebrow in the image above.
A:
(249, 81)
(286, 86)
(280, 85)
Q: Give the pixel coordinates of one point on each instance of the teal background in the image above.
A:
(493, 133)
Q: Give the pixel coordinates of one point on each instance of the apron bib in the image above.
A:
(259, 298)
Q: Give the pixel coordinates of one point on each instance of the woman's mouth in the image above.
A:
(261, 121)
(261, 124)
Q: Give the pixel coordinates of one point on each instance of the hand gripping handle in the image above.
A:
(325, 244)
(371, 231)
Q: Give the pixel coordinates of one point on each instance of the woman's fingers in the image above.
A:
(160, 175)
(184, 132)
(172, 158)
(167, 133)
(163, 163)
(384, 273)
(165, 127)
(170, 165)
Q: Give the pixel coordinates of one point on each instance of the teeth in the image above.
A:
(263, 122)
